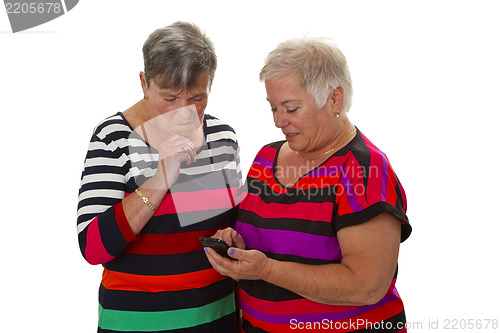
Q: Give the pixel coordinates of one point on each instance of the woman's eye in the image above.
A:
(170, 100)
(287, 110)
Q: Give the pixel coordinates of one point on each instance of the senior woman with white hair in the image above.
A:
(318, 233)
(157, 177)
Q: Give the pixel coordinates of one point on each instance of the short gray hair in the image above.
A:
(319, 65)
(175, 56)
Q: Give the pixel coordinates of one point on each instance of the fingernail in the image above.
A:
(206, 250)
(231, 251)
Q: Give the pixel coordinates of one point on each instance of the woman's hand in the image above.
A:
(172, 152)
(231, 237)
(249, 264)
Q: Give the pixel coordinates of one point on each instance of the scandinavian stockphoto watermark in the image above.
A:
(28, 14)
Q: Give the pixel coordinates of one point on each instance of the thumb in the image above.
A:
(236, 253)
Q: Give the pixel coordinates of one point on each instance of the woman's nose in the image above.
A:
(185, 111)
(280, 119)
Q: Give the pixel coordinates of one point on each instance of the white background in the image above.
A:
(426, 81)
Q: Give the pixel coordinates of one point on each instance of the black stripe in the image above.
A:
(315, 194)
(165, 301)
(267, 291)
(312, 227)
(157, 265)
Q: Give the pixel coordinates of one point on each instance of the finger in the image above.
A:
(216, 260)
(236, 253)
(218, 234)
(186, 155)
(227, 236)
(187, 147)
(238, 240)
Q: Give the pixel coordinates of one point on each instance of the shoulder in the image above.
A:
(270, 150)
(112, 128)
(113, 134)
(217, 129)
(214, 124)
(369, 186)
(364, 154)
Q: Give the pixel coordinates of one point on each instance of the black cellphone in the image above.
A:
(218, 245)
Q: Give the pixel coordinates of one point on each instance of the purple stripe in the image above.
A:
(324, 172)
(290, 242)
(316, 317)
(263, 162)
(349, 191)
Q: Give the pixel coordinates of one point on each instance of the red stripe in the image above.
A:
(383, 312)
(132, 282)
(391, 195)
(343, 203)
(163, 244)
(348, 325)
(268, 153)
(95, 253)
(376, 173)
(313, 183)
(123, 224)
(264, 174)
(293, 307)
(267, 327)
(403, 196)
(301, 210)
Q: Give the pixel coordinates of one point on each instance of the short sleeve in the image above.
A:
(368, 187)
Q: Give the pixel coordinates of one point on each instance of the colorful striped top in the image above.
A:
(161, 280)
(300, 224)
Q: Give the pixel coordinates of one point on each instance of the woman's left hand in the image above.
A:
(249, 264)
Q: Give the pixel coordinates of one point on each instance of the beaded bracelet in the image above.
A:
(146, 201)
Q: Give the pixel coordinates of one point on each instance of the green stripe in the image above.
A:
(165, 320)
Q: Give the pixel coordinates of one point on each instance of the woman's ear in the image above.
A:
(337, 98)
(144, 84)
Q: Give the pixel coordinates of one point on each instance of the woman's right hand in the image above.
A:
(172, 152)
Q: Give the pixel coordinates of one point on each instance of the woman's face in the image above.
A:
(306, 128)
(177, 111)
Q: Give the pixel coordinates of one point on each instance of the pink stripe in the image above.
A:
(95, 253)
(301, 210)
(268, 153)
(378, 177)
(183, 202)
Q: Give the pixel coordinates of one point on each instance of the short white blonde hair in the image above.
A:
(319, 65)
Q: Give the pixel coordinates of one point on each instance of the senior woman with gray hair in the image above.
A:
(156, 178)
(318, 233)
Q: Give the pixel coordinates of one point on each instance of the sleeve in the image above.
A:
(103, 231)
(233, 179)
(369, 187)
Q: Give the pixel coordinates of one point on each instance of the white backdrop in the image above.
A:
(426, 81)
